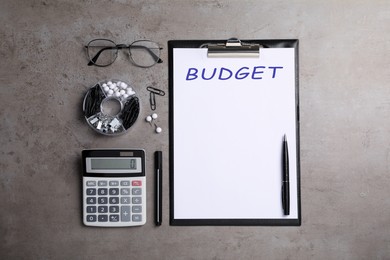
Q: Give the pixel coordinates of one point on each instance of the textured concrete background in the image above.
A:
(345, 126)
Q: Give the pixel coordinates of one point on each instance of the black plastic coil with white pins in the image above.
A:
(111, 107)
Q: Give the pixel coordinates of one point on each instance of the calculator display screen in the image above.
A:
(114, 164)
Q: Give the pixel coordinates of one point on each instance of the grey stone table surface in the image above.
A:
(345, 126)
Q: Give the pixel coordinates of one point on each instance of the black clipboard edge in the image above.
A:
(275, 43)
(235, 222)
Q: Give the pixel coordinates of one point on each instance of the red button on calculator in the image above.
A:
(136, 183)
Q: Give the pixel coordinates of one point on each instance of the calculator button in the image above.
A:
(102, 183)
(114, 191)
(114, 183)
(136, 209)
(114, 209)
(91, 191)
(114, 200)
(136, 183)
(91, 218)
(91, 200)
(91, 209)
(111, 201)
(125, 183)
(103, 209)
(136, 200)
(136, 191)
(102, 191)
(102, 218)
(102, 200)
(125, 213)
(91, 183)
(137, 217)
(114, 218)
(125, 191)
(125, 200)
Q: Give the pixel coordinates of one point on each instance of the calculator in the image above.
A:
(114, 187)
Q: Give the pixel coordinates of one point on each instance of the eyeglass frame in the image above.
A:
(119, 47)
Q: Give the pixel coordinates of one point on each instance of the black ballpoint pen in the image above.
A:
(158, 187)
(286, 179)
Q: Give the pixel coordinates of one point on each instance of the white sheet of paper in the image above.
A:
(228, 135)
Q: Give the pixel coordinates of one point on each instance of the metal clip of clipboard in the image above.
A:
(233, 48)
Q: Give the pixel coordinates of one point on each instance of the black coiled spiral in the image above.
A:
(130, 112)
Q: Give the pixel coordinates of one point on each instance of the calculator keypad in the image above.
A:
(118, 202)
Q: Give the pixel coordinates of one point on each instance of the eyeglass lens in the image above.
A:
(102, 52)
(144, 53)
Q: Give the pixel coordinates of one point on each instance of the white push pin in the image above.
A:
(149, 119)
(158, 129)
(152, 117)
(123, 85)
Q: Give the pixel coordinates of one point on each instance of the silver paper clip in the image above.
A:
(152, 97)
(156, 91)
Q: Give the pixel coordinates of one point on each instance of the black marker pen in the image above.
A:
(285, 179)
(158, 187)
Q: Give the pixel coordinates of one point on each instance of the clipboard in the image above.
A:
(230, 104)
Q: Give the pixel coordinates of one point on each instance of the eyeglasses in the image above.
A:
(103, 52)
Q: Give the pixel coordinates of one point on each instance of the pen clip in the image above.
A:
(283, 196)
